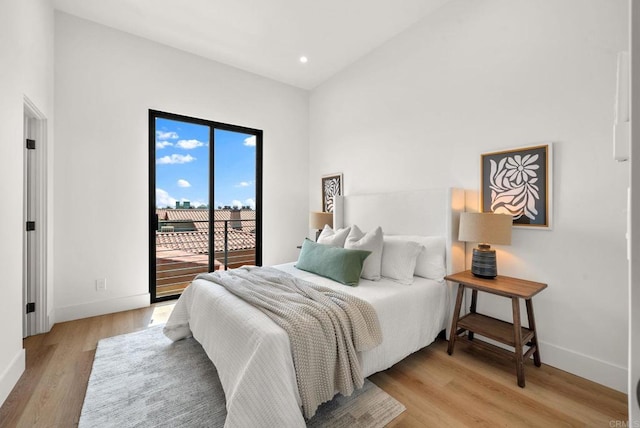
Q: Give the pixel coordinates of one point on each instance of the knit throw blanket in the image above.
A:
(326, 328)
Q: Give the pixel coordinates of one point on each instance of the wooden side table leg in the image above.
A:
(532, 327)
(472, 309)
(454, 319)
(517, 333)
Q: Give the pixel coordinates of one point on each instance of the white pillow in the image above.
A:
(431, 260)
(336, 238)
(399, 259)
(371, 241)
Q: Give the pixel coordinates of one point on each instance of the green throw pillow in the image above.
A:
(336, 263)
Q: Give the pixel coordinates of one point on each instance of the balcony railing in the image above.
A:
(183, 246)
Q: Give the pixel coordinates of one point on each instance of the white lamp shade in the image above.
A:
(485, 228)
(317, 220)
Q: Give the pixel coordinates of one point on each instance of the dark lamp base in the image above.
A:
(483, 263)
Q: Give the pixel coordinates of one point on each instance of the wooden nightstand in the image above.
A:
(512, 334)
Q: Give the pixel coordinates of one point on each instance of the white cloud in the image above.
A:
(161, 135)
(163, 144)
(244, 184)
(183, 183)
(175, 158)
(198, 204)
(189, 144)
(163, 199)
(236, 203)
(250, 141)
(250, 203)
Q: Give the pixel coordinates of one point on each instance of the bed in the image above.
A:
(252, 353)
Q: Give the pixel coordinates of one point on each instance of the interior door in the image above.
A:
(30, 240)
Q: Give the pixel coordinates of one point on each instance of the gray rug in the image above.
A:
(142, 379)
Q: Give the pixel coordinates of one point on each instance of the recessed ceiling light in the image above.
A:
(304, 59)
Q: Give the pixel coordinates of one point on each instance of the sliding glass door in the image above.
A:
(205, 191)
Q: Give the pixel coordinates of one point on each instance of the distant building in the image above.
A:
(182, 243)
(188, 228)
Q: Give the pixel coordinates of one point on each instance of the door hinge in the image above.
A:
(31, 225)
(31, 144)
(31, 307)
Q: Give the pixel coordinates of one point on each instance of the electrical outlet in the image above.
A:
(101, 284)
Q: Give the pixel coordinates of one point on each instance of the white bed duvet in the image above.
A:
(252, 354)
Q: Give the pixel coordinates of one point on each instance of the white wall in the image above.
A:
(106, 81)
(26, 58)
(479, 76)
(634, 283)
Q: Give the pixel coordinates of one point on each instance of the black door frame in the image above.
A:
(153, 219)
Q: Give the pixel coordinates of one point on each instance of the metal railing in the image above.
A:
(183, 247)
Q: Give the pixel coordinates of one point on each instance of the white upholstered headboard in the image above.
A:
(430, 212)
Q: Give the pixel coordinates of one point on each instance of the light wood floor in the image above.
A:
(471, 388)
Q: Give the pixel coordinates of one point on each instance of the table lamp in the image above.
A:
(317, 220)
(485, 229)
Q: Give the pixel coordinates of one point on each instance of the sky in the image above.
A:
(182, 165)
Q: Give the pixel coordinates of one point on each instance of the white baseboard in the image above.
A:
(102, 307)
(602, 372)
(10, 376)
(593, 369)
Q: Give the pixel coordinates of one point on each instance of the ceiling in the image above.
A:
(266, 37)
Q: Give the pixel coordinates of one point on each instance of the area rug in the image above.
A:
(143, 379)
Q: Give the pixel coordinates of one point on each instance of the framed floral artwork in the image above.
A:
(331, 187)
(518, 182)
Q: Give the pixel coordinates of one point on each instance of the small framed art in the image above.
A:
(518, 182)
(331, 187)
